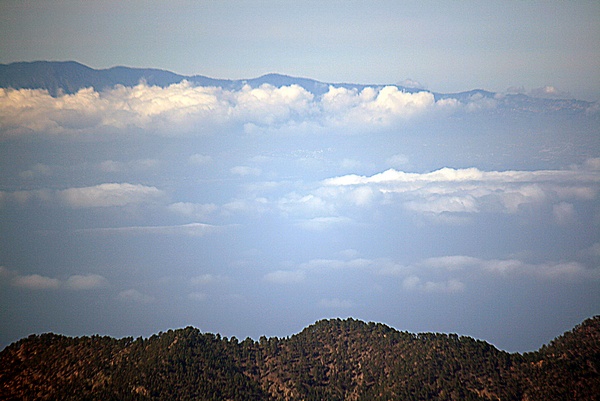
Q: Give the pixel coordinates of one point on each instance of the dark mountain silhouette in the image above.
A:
(69, 76)
(329, 360)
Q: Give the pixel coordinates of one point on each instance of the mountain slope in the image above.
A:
(329, 360)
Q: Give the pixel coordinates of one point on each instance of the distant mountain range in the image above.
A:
(70, 76)
(329, 360)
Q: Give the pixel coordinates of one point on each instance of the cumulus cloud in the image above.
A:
(197, 296)
(106, 195)
(513, 267)
(414, 283)
(36, 282)
(323, 223)
(445, 274)
(205, 279)
(468, 190)
(348, 107)
(185, 108)
(196, 210)
(549, 91)
(245, 170)
(284, 277)
(102, 195)
(191, 229)
(86, 281)
(133, 295)
(335, 303)
(199, 159)
(40, 282)
(564, 213)
(111, 166)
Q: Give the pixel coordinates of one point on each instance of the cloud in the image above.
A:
(196, 210)
(111, 166)
(397, 160)
(285, 277)
(39, 282)
(37, 170)
(199, 159)
(349, 107)
(107, 195)
(323, 223)
(86, 282)
(197, 296)
(564, 213)
(512, 267)
(414, 283)
(549, 91)
(133, 295)
(445, 274)
(191, 229)
(205, 279)
(183, 108)
(245, 170)
(36, 282)
(469, 190)
(335, 303)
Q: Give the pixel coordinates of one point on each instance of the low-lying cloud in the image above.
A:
(101, 195)
(39, 282)
(185, 108)
(468, 190)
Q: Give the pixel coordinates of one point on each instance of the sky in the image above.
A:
(258, 211)
(444, 46)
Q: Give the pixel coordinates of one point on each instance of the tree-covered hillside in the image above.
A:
(329, 360)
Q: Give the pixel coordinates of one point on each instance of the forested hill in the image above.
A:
(329, 360)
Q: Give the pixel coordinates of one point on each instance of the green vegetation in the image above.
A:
(329, 360)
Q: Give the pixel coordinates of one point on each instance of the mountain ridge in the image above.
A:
(70, 76)
(331, 359)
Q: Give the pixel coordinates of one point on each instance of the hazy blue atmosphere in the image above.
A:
(259, 210)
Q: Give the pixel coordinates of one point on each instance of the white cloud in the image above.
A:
(549, 91)
(192, 229)
(204, 279)
(323, 223)
(397, 160)
(335, 303)
(349, 107)
(133, 295)
(86, 281)
(414, 283)
(185, 108)
(448, 274)
(36, 282)
(245, 170)
(285, 277)
(463, 190)
(39, 282)
(197, 296)
(199, 159)
(36, 170)
(196, 210)
(564, 213)
(102, 195)
(106, 195)
(111, 166)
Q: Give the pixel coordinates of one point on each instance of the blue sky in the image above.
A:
(258, 211)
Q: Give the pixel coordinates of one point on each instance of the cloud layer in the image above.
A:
(184, 107)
